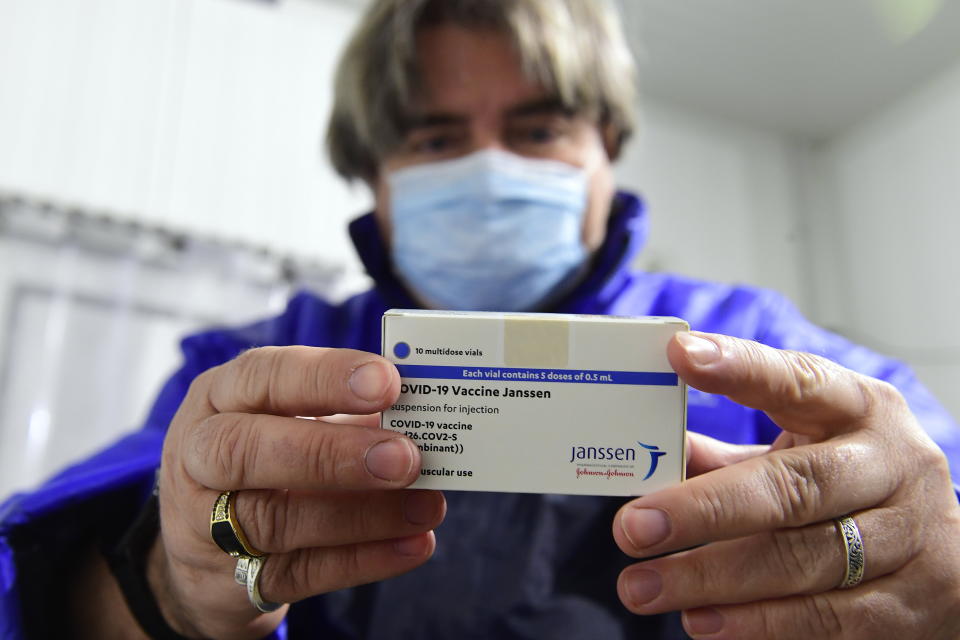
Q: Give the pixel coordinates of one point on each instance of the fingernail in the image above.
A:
(419, 507)
(645, 527)
(369, 381)
(700, 350)
(390, 459)
(642, 586)
(412, 546)
(702, 621)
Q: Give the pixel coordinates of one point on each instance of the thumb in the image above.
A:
(706, 454)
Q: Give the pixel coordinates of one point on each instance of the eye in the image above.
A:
(433, 144)
(540, 135)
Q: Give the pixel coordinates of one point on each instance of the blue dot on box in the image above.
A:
(401, 350)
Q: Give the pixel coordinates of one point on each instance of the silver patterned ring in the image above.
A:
(243, 568)
(853, 548)
(255, 564)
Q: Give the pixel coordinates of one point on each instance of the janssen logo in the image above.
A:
(618, 454)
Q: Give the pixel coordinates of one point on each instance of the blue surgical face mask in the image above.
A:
(490, 231)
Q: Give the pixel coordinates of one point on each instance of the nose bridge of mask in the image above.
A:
(490, 176)
(513, 177)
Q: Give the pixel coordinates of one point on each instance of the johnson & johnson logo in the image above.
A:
(613, 455)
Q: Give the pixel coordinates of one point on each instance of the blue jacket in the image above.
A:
(506, 565)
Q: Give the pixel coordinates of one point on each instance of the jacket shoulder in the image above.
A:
(733, 309)
(755, 313)
(307, 320)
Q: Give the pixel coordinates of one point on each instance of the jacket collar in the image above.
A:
(626, 235)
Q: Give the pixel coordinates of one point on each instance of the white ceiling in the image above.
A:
(809, 67)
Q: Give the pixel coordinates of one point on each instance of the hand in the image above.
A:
(319, 497)
(772, 558)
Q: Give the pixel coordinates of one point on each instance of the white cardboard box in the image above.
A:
(538, 403)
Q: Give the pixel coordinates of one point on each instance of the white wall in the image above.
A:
(885, 233)
(721, 197)
(201, 115)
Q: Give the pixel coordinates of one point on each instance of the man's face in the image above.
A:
(475, 97)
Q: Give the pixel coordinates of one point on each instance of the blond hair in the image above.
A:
(572, 48)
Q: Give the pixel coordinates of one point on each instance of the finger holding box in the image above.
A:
(846, 522)
(316, 497)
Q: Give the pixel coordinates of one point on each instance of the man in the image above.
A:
(457, 114)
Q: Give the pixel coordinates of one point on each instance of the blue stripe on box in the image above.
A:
(509, 374)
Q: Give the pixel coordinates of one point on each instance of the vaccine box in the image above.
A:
(538, 403)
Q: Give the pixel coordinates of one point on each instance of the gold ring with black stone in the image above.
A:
(226, 531)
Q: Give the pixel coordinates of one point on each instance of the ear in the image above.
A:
(380, 189)
(612, 139)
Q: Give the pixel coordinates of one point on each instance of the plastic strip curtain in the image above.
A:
(91, 313)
